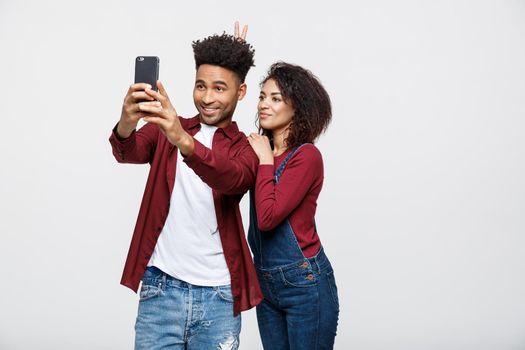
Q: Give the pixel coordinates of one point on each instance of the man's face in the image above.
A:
(216, 93)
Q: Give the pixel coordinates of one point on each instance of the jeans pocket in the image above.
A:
(333, 287)
(224, 293)
(299, 278)
(149, 291)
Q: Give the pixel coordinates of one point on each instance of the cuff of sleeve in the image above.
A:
(265, 170)
(199, 153)
(123, 144)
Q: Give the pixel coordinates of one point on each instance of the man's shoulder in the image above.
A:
(239, 144)
(189, 122)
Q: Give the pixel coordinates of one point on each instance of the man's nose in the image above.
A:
(208, 97)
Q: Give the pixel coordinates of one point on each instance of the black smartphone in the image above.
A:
(147, 70)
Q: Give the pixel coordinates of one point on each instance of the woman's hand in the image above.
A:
(237, 35)
(261, 147)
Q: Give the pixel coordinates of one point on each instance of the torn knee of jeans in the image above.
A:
(230, 343)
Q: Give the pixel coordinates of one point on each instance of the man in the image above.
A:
(189, 246)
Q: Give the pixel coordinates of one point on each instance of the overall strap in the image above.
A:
(280, 169)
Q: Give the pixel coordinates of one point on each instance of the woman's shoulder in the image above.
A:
(309, 150)
(308, 153)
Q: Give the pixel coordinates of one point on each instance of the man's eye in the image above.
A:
(219, 89)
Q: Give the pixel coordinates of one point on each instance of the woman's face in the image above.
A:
(274, 114)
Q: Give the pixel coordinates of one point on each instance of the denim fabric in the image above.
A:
(174, 314)
(300, 309)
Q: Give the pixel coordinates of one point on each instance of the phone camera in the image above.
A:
(141, 58)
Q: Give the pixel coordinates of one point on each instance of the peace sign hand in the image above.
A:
(236, 35)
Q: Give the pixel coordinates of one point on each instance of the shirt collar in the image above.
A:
(230, 131)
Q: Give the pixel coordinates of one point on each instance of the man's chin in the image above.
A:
(208, 120)
(217, 120)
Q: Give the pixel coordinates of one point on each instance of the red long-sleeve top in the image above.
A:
(294, 197)
(228, 168)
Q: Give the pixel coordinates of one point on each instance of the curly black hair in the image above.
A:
(304, 92)
(225, 51)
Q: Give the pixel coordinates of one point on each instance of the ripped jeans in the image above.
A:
(176, 315)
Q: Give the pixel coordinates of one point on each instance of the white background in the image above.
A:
(422, 212)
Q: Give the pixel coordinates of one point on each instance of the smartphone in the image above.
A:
(147, 70)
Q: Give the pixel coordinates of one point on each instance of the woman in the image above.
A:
(300, 307)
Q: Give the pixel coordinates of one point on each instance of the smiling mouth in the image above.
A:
(208, 110)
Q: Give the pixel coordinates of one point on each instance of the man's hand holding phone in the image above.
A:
(162, 113)
(131, 113)
(146, 76)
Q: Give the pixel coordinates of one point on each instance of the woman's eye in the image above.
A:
(275, 99)
(261, 98)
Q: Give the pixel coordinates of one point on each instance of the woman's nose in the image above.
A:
(262, 105)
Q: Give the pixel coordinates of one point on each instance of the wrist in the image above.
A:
(265, 160)
(124, 130)
(185, 144)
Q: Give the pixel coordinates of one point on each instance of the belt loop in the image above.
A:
(317, 264)
(163, 283)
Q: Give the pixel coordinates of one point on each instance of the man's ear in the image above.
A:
(242, 91)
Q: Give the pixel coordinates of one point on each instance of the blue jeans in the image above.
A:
(300, 308)
(174, 314)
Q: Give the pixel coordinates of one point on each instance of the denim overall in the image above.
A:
(300, 308)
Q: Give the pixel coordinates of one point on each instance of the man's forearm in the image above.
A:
(222, 173)
(124, 130)
(137, 147)
(185, 144)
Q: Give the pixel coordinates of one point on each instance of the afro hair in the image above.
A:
(224, 51)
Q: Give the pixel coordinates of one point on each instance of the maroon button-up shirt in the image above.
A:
(229, 168)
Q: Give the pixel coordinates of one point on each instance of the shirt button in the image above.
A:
(309, 277)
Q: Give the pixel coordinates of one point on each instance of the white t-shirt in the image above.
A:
(189, 247)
